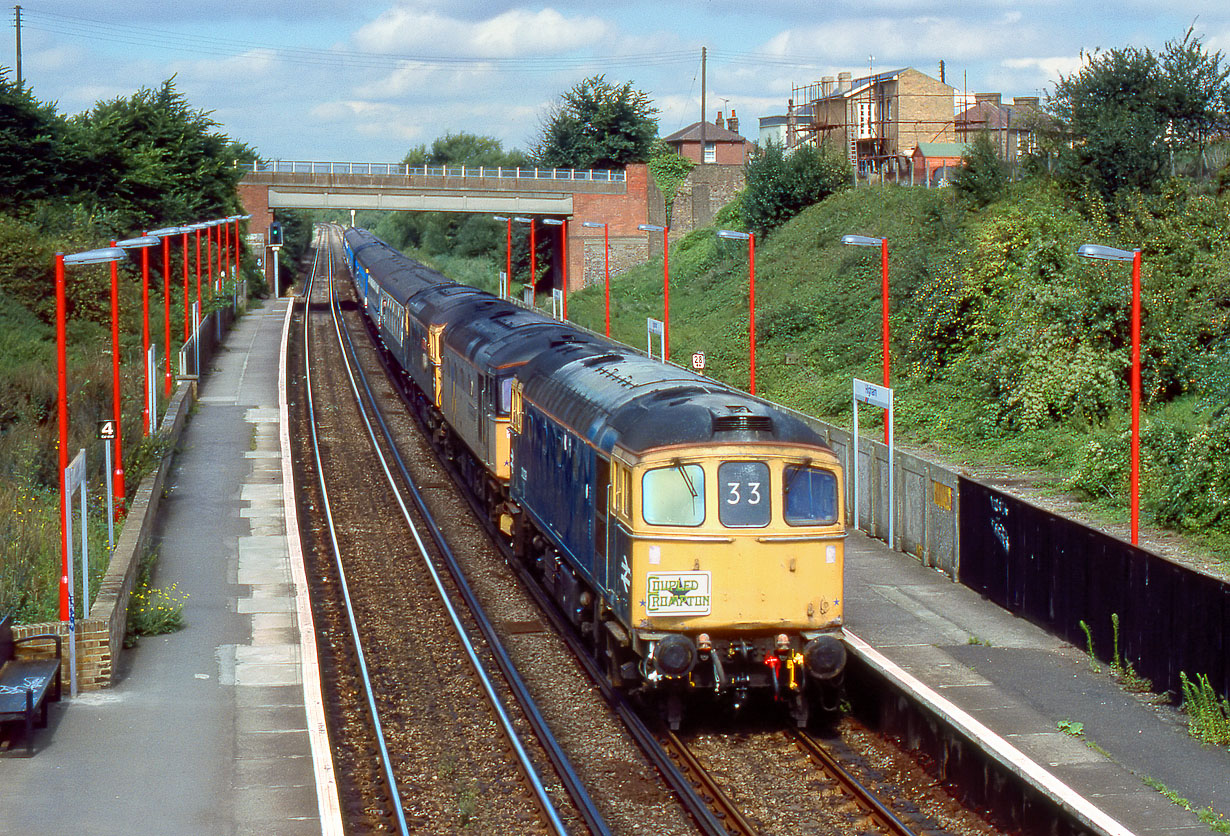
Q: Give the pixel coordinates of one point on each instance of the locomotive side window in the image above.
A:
(810, 495)
(506, 395)
(674, 495)
(743, 494)
(623, 490)
(516, 407)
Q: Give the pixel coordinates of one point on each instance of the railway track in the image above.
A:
(371, 678)
(709, 808)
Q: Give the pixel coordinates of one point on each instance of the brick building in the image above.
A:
(1012, 127)
(877, 120)
(722, 143)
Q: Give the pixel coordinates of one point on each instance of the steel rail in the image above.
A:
(505, 720)
(883, 817)
(559, 759)
(717, 799)
(387, 761)
(697, 807)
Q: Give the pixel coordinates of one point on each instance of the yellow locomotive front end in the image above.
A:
(735, 558)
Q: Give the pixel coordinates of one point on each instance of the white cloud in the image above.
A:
(513, 33)
(1047, 69)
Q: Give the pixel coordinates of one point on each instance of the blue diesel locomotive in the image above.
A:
(692, 532)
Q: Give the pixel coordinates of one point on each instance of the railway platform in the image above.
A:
(206, 729)
(1036, 692)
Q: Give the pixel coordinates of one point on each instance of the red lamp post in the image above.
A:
(110, 254)
(144, 242)
(606, 266)
(165, 234)
(666, 285)
(750, 238)
(226, 249)
(183, 231)
(197, 229)
(563, 225)
(1102, 253)
(882, 243)
(507, 251)
(533, 261)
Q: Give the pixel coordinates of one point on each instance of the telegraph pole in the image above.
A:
(702, 104)
(18, 10)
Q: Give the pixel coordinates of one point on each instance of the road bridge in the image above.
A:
(619, 198)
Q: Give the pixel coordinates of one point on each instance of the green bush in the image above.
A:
(779, 186)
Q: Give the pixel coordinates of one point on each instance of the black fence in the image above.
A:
(1057, 573)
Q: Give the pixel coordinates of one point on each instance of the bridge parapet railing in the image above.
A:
(405, 170)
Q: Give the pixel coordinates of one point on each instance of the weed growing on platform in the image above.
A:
(153, 611)
(1123, 669)
(1208, 714)
(1072, 727)
(1215, 820)
(1093, 660)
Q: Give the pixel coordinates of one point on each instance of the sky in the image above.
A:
(366, 80)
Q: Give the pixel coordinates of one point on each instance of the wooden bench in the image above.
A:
(24, 683)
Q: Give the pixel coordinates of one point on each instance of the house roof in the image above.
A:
(942, 149)
(993, 117)
(860, 85)
(712, 134)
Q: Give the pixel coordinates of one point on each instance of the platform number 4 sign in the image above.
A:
(106, 430)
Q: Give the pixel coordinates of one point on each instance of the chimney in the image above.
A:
(732, 124)
(826, 86)
(989, 98)
(845, 82)
(718, 121)
(1025, 101)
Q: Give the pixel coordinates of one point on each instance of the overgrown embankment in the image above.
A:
(1008, 349)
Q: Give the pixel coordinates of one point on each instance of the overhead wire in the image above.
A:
(164, 39)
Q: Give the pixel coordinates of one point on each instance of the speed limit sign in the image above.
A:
(698, 361)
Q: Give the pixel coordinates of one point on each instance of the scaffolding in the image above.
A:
(868, 117)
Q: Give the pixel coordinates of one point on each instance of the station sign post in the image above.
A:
(106, 434)
(876, 395)
(74, 478)
(655, 326)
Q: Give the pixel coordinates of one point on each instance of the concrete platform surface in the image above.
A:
(1029, 686)
(205, 730)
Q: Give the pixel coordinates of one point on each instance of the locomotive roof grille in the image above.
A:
(745, 423)
(600, 359)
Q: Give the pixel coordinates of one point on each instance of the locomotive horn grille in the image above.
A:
(750, 423)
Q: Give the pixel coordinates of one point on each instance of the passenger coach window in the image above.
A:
(811, 495)
(674, 495)
(743, 494)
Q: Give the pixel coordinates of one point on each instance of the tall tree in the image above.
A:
(1195, 96)
(1109, 122)
(152, 158)
(34, 150)
(1124, 116)
(596, 124)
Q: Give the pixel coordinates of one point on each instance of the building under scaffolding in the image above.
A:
(877, 120)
